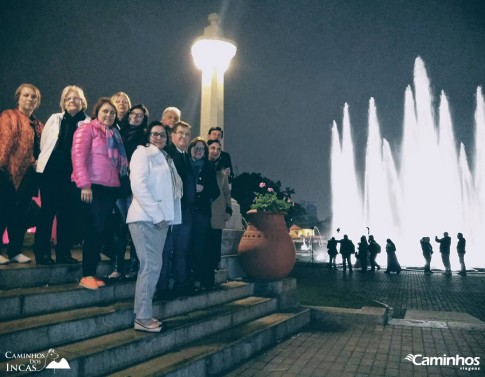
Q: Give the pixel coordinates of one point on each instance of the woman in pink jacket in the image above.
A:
(98, 161)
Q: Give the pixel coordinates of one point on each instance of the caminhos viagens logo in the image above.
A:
(464, 363)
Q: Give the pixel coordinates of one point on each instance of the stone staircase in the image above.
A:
(45, 314)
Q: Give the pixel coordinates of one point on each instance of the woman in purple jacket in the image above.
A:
(98, 161)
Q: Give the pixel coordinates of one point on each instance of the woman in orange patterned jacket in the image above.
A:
(19, 149)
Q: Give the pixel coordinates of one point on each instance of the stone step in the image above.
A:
(220, 352)
(103, 354)
(62, 327)
(24, 302)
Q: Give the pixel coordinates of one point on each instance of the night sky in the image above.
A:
(297, 63)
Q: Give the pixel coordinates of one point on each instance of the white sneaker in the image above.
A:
(3, 260)
(20, 258)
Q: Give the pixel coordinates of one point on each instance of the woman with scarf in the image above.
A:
(98, 161)
(58, 194)
(392, 262)
(132, 130)
(19, 149)
(157, 190)
(207, 191)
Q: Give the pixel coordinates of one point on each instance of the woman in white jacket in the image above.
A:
(157, 189)
(58, 195)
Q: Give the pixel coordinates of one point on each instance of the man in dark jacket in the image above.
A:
(347, 248)
(176, 250)
(216, 133)
(460, 248)
(445, 244)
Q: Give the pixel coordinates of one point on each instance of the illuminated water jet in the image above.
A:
(433, 191)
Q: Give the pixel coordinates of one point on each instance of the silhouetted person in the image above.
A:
(445, 244)
(392, 262)
(374, 249)
(460, 248)
(363, 248)
(347, 248)
(332, 252)
(427, 252)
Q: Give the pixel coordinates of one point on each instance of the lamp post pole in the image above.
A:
(212, 54)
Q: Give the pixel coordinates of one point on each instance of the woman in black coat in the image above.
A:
(207, 190)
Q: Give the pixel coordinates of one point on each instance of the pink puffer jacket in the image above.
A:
(90, 161)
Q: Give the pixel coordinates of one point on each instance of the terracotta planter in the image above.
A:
(266, 250)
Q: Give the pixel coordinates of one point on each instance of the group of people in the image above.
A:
(367, 251)
(171, 193)
(366, 254)
(445, 246)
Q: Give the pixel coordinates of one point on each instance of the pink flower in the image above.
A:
(289, 200)
(262, 184)
(270, 189)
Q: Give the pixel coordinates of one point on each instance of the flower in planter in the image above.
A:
(270, 202)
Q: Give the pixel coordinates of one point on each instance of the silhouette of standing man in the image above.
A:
(445, 244)
(460, 248)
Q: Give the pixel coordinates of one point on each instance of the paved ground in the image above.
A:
(357, 350)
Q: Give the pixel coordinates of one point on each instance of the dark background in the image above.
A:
(297, 63)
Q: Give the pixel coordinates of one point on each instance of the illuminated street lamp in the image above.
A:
(212, 54)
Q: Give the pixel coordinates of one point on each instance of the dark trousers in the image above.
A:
(461, 257)
(363, 260)
(214, 241)
(373, 263)
(61, 199)
(445, 257)
(14, 205)
(96, 216)
(202, 260)
(346, 259)
(427, 258)
(176, 253)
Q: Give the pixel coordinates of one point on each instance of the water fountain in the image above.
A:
(433, 191)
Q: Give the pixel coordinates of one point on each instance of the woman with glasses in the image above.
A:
(132, 130)
(157, 190)
(207, 191)
(59, 196)
(19, 149)
(98, 161)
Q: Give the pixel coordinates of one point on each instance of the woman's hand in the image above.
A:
(199, 188)
(86, 195)
(161, 224)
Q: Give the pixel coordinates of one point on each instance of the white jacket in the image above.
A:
(151, 184)
(48, 139)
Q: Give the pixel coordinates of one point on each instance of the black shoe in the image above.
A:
(45, 261)
(66, 260)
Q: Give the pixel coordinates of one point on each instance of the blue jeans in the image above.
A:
(147, 238)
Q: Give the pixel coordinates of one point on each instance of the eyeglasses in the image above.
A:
(199, 149)
(69, 99)
(183, 134)
(161, 135)
(137, 115)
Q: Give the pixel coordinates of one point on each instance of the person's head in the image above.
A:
(460, 235)
(198, 149)
(104, 111)
(73, 100)
(332, 239)
(181, 134)
(214, 149)
(346, 237)
(157, 134)
(122, 103)
(215, 133)
(388, 240)
(27, 98)
(170, 116)
(445, 234)
(371, 238)
(138, 116)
